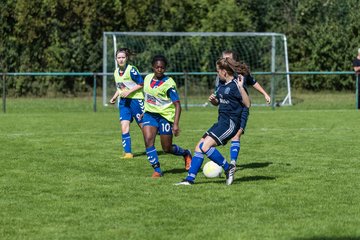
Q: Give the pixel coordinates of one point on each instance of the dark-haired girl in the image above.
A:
(162, 115)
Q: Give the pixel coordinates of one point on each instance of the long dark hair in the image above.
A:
(243, 68)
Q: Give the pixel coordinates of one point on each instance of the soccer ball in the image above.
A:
(212, 170)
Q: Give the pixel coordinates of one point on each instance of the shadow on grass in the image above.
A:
(254, 165)
(242, 179)
(253, 178)
(176, 170)
(138, 154)
(329, 238)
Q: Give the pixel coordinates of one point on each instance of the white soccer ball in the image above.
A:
(212, 170)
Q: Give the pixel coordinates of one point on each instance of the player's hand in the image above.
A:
(176, 130)
(267, 99)
(213, 100)
(112, 101)
(240, 81)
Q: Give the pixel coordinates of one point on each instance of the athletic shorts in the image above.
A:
(156, 120)
(130, 109)
(222, 131)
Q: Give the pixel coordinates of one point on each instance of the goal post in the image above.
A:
(192, 57)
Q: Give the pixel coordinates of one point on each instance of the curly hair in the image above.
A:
(159, 58)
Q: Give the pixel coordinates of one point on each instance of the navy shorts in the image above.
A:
(222, 131)
(130, 109)
(156, 120)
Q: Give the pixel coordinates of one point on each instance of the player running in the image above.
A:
(162, 115)
(129, 84)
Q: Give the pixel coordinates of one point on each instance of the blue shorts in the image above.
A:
(156, 120)
(222, 131)
(130, 109)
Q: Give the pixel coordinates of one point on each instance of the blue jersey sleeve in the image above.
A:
(173, 95)
(249, 80)
(136, 76)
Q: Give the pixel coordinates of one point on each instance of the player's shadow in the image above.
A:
(253, 178)
(242, 179)
(175, 171)
(138, 154)
(253, 165)
(239, 167)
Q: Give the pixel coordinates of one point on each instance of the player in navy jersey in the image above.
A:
(162, 115)
(129, 84)
(231, 99)
(248, 81)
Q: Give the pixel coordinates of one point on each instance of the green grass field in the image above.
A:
(61, 176)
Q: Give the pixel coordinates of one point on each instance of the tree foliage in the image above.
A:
(66, 35)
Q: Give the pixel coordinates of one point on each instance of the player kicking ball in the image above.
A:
(231, 99)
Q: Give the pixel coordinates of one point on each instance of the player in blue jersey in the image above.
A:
(248, 81)
(231, 99)
(129, 84)
(162, 115)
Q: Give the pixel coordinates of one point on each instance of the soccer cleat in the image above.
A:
(127, 156)
(156, 175)
(230, 174)
(187, 159)
(185, 183)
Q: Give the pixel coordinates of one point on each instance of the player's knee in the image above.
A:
(202, 148)
(148, 141)
(167, 149)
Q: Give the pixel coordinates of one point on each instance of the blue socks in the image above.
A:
(234, 150)
(126, 142)
(178, 150)
(214, 155)
(153, 158)
(196, 162)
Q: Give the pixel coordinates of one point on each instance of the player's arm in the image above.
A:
(357, 68)
(213, 100)
(124, 94)
(174, 96)
(113, 99)
(245, 97)
(260, 89)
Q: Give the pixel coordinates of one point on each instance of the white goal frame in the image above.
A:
(286, 101)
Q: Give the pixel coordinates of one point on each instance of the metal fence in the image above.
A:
(95, 75)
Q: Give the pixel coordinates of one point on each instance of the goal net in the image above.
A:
(192, 57)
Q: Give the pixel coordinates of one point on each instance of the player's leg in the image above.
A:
(125, 120)
(166, 137)
(137, 110)
(235, 141)
(219, 134)
(150, 129)
(235, 147)
(196, 163)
